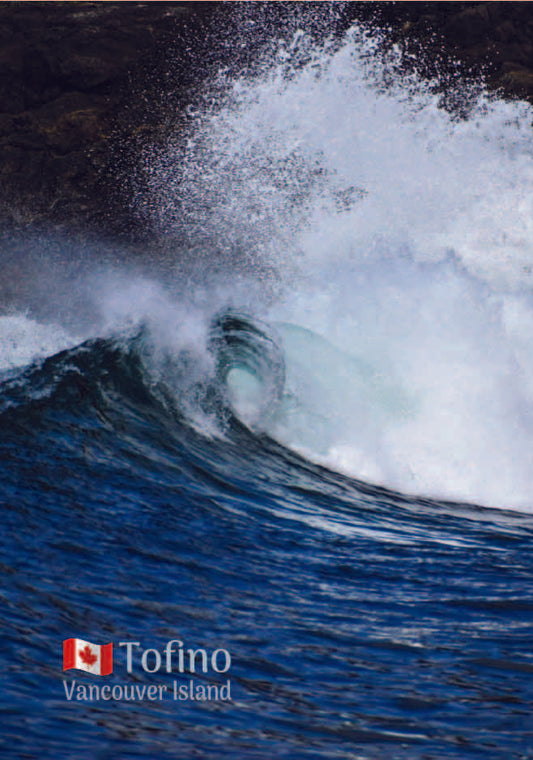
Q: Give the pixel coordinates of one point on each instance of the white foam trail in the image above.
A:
(400, 234)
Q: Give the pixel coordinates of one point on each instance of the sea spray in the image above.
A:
(395, 230)
(331, 194)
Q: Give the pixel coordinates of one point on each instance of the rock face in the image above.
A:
(83, 84)
(70, 78)
(493, 37)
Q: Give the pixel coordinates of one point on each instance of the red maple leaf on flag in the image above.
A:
(87, 656)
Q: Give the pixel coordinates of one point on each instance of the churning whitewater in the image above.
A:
(241, 437)
(381, 243)
(390, 245)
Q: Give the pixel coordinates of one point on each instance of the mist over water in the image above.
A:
(388, 244)
(398, 232)
(339, 273)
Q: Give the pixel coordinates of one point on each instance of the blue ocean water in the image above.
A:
(280, 443)
(359, 621)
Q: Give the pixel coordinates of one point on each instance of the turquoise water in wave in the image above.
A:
(302, 437)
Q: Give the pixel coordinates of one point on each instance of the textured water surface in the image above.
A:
(304, 438)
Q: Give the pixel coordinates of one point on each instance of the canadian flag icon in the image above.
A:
(83, 655)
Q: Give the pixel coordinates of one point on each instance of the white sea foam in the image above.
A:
(340, 199)
(401, 235)
(24, 340)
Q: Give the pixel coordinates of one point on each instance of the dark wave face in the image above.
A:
(282, 459)
(246, 349)
(357, 619)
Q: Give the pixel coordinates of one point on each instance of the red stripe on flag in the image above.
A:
(106, 659)
(69, 653)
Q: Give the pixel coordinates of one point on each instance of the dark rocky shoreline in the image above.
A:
(84, 85)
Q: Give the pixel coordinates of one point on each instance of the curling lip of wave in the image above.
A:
(399, 233)
(397, 336)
